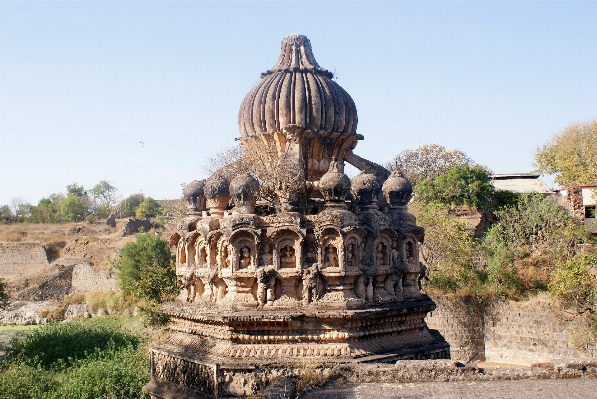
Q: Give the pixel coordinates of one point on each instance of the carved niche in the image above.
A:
(245, 251)
(330, 255)
(383, 246)
(288, 250)
(201, 253)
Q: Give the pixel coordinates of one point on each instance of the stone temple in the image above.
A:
(283, 260)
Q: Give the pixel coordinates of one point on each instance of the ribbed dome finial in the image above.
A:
(297, 91)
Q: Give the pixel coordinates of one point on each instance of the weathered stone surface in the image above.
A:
(133, 226)
(328, 279)
(526, 332)
(20, 258)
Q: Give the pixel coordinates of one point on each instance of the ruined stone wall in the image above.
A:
(460, 321)
(533, 331)
(20, 258)
(87, 279)
(523, 333)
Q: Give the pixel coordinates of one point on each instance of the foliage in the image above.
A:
(574, 282)
(149, 208)
(63, 361)
(75, 190)
(73, 208)
(461, 185)
(3, 294)
(101, 211)
(529, 238)
(58, 346)
(428, 162)
(105, 195)
(146, 270)
(448, 250)
(6, 215)
(571, 155)
(128, 206)
(48, 210)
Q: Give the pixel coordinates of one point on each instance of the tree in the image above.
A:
(21, 209)
(105, 195)
(128, 206)
(448, 250)
(461, 185)
(149, 208)
(428, 162)
(571, 155)
(48, 210)
(6, 215)
(76, 190)
(73, 208)
(146, 270)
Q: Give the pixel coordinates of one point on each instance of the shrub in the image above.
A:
(57, 346)
(149, 208)
(461, 185)
(448, 250)
(93, 359)
(574, 282)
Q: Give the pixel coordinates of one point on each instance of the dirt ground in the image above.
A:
(517, 389)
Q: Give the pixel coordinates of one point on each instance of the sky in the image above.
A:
(141, 93)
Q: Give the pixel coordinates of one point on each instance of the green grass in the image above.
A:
(18, 327)
(104, 357)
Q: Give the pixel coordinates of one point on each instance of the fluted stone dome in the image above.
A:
(194, 189)
(297, 91)
(216, 186)
(334, 184)
(243, 184)
(397, 189)
(365, 187)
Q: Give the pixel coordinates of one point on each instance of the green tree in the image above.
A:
(75, 190)
(6, 215)
(461, 185)
(128, 206)
(149, 208)
(448, 250)
(48, 210)
(146, 270)
(73, 208)
(105, 195)
(428, 162)
(571, 155)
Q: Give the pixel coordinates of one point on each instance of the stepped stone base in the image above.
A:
(229, 355)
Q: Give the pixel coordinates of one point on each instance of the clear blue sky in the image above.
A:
(140, 93)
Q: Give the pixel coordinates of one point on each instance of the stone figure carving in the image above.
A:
(266, 256)
(188, 282)
(265, 285)
(224, 261)
(202, 256)
(311, 284)
(351, 257)
(410, 252)
(331, 256)
(245, 258)
(380, 254)
(287, 257)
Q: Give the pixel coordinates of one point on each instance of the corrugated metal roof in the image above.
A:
(520, 183)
